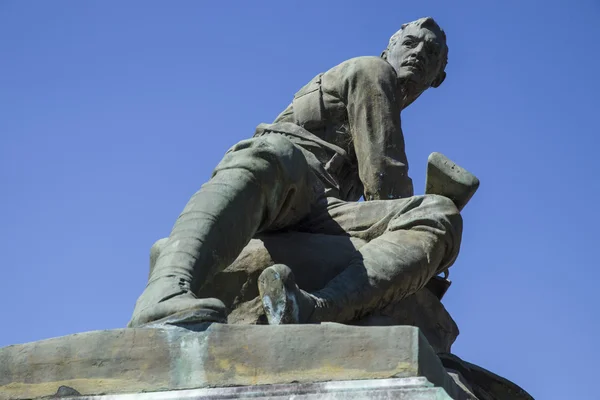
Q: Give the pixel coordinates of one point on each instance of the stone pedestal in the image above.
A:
(231, 361)
(397, 388)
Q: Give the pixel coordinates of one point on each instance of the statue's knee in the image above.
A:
(443, 214)
(277, 149)
(442, 209)
(445, 217)
(440, 204)
(430, 210)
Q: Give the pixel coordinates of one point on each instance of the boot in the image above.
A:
(283, 301)
(209, 234)
(170, 301)
(166, 301)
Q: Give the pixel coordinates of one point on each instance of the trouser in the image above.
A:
(267, 184)
(408, 242)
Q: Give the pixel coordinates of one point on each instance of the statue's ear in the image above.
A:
(439, 79)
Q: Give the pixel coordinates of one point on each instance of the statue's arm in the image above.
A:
(369, 90)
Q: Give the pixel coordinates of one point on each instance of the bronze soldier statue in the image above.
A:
(339, 139)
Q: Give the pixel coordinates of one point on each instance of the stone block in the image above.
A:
(218, 356)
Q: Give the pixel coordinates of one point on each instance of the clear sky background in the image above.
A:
(112, 114)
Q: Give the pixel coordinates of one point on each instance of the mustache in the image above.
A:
(414, 63)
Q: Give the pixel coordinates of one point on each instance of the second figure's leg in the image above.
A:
(410, 241)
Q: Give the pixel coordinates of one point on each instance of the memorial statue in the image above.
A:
(279, 235)
(339, 140)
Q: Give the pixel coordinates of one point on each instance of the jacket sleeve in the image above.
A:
(369, 90)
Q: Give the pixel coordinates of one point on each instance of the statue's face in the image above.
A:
(417, 55)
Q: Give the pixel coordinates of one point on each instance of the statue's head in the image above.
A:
(419, 54)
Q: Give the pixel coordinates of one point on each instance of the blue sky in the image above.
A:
(114, 113)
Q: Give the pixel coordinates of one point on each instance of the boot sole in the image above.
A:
(188, 318)
(280, 305)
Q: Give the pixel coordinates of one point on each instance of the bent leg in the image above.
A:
(410, 241)
(261, 184)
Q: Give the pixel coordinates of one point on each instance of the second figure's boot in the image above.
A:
(283, 301)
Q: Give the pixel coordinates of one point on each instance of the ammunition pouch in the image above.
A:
(309, 110)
